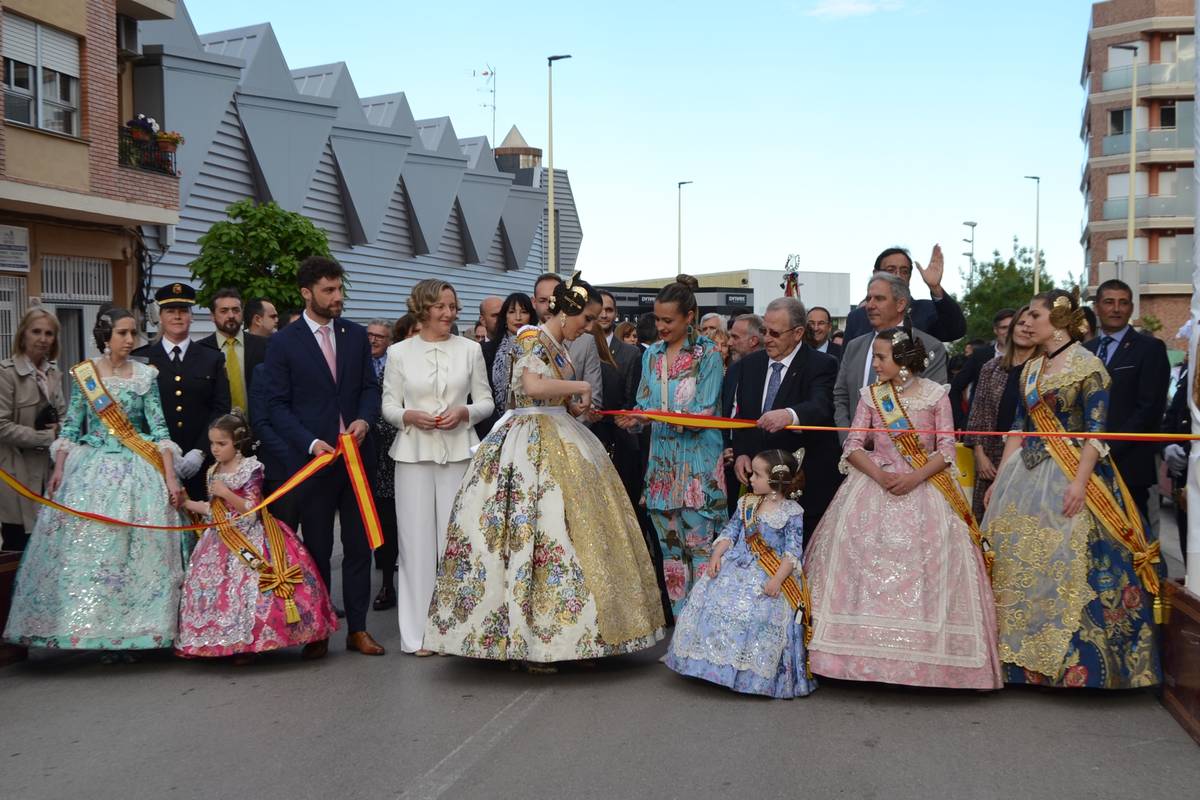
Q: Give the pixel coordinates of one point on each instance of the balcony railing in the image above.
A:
(1149, 75)
(1150, 207)
(145, 154)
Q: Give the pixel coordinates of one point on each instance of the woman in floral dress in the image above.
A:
(544, 559)
(1072, 605)
(685, 481)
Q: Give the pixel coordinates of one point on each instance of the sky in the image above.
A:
(826, 128)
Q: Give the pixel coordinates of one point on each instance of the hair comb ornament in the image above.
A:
(900, 336)
(779, 469)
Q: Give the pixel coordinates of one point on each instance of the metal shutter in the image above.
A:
(60, 52)
(20, 39)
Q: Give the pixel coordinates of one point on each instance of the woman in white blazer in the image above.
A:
(426, 385)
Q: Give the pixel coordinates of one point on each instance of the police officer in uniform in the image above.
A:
(191, 381)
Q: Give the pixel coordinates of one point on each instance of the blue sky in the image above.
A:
(827, 128)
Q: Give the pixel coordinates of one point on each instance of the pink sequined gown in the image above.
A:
(900, 591)
(223, 613)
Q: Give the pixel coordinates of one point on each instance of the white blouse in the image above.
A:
(435, 377)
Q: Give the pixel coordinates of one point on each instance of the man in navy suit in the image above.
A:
(321, 382)
(942, 317)
(1137, 397)
(789, 383)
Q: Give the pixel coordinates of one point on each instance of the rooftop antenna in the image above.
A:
(489, 86)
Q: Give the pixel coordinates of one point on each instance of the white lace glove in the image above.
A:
(189, 465)
(1176, 458)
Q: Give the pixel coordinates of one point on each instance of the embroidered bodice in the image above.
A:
(1078, 394)
(927, 405)
(782, 528)
(535, 350)
(137, 395)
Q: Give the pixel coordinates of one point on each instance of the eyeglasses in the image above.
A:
(770, 334)
(379, 336)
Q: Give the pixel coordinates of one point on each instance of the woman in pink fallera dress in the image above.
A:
(900, 589)
(226, 609)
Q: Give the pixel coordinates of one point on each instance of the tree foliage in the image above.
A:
(257, 251)
(1000, 283)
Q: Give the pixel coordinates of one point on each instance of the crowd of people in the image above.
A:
(541, 502)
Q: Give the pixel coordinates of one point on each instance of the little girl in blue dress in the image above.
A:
(743, 623)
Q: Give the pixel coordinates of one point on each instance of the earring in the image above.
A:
(1058, 335)
(107, 349)
(562, 318)
(904, 375)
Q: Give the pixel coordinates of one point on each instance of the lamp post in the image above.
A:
(551, 236)
(970, 255)
(1131, 201)
(679, 227)
(1037, 233)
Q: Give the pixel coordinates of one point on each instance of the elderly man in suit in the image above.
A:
(789, 383)
(191, 382)
(243, 351)
(582, 351)
(888, 302)
(321, 382)
(1137, 398)
(941, 317)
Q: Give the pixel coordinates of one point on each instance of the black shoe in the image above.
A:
(385, 599)
(340, 612)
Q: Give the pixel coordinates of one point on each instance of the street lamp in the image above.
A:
(970, 255)
(679, 224)
(1131, 202)
(1037, 233)
(551, 236)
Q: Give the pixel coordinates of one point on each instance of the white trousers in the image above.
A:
(424, 496)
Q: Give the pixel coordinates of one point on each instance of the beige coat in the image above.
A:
(24, 452)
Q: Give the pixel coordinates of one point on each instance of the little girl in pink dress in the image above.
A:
(239, 596)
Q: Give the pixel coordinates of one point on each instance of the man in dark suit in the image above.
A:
(191, 382)
(789, 384)
(620, 384)
(962, 386)
(243, 351)
(321, 382)
(820, 328)
(1137, 398)
(941, 317)
(745, 337)
(271, 451)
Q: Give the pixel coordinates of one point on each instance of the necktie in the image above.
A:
(330, 361)
(233, 368)
(175, 355)
(1102, 353)
(773, 386)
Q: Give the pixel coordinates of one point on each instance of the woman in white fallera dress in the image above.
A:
(426, 385)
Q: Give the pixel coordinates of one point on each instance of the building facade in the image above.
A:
(400, 199)
(75, 189)
(1163, 31)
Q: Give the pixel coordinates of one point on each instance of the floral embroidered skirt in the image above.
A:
(1070, 609)
(544, 558)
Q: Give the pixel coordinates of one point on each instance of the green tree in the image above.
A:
(1000, 283)
(257, 251)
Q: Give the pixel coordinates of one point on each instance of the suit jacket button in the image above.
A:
(179, 408)
(178, 378)
(179, 392)
(179, 424)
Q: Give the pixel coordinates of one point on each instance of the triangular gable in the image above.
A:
(520, 218)
(431, 183)
(390, 111)
(369, 165)
(286, 138)
(480, 157)
(437, 135)
(266, 71)
(332, 82)
(514, 138)
(482, 199)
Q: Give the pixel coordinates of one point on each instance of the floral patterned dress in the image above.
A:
(685, 483)
(900, 591)
(1070, 608)
(223, 613)
(85, 585)
(733, 634)
(544, 558)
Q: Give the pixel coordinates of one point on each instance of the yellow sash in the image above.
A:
(1123, 524)
(796, 591)
(276, 575)
(112, 415)
(900, 428)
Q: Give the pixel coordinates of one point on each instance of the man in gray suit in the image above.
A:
(888, 302)
(583, 351)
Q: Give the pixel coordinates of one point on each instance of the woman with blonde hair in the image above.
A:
(31, 405)
(426, 385)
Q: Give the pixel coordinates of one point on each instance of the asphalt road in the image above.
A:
(355, 727)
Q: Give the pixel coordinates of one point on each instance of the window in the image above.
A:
(1118, 120)
(1118, 185)
(1123, 59)
(1117, 252)
(41, 76)
(1166, 115)
(1168, 183)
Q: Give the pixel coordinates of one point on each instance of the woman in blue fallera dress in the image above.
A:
(86, 585)
(740, 627)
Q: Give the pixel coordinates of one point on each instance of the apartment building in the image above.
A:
(1163, 33)
(75, 188)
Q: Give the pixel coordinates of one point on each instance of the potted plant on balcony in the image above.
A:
(169, 141)
(142, 128)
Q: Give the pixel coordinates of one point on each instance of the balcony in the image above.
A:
(1150, 75)
(1152, 207)
(1178, 270)
(145, 154)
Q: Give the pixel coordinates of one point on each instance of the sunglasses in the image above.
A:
(777, 334)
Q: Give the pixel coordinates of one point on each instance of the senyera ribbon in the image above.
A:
(729, 423)
(347, 449)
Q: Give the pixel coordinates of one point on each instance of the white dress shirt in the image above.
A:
(314, 326)
(787, 364)
(168, 345)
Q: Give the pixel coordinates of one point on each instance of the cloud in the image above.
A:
(841, 9)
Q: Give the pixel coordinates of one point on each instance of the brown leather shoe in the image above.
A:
(314, 650)
(363, 643)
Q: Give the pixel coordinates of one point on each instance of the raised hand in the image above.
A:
(932, 275)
